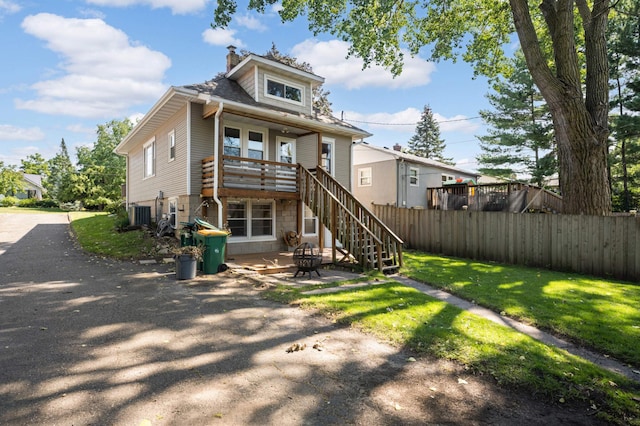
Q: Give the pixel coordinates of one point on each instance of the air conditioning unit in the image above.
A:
(140, 215)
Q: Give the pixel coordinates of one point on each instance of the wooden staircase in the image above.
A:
(358, 235)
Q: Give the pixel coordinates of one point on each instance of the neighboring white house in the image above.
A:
(390, 176)
(32, 187)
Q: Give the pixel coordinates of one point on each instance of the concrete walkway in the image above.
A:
(329, 276)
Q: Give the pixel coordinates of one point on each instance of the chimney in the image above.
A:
(397, 147)
(232, 58)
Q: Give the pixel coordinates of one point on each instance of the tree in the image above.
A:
(59, 183)
(378, 30)
(624, 62)
(35, 164)
(426, 141)
(11, 181)
(101, 172)
(520, 139)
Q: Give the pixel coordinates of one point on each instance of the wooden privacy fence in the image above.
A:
(593, 245)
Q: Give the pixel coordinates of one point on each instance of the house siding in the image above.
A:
(342, 160)
(384, 180)
(201, 145)
(247, 82)
(307, 151)
(260, 96)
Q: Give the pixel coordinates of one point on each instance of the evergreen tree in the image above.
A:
(426, 141)
(520, 139)
(60, 180)
(624, 63)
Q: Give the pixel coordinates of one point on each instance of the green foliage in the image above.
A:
(35, 164)
(426, 141)
(11, 181)
(9, 201)
(28, 202)
(61, 172)
(520, 140)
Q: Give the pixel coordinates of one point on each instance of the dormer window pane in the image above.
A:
(284, 91)
(293, 93)
(275, 89)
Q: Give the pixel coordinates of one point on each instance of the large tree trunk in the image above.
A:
(580, 122)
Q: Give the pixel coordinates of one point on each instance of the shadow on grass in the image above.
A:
(595, 313)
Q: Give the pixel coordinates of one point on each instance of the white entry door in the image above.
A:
(286, 154)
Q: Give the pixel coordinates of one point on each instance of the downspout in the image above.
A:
(216, 162)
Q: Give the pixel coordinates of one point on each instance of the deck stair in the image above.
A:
(359, 237)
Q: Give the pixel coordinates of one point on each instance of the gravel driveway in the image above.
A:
(90, 341)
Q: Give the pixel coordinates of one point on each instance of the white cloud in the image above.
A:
(329, 59)
(104, 73)
(221, 37)
(178, 7)
(250, 22)
(13, 133)
(8, 7)
(80, 128)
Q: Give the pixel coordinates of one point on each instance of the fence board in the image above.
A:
(598, 245)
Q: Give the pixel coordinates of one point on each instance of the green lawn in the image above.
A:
(406, 317)
(96, 233)
(597, 313)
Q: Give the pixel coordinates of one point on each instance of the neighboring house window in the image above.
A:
(173, 212)
(149, 152)
(256, 145)
(251, 219)
(310, 222)
(172, 145)
(364, 176)
(232, 145)
(282, 90)
(413, 176)
(446, 178)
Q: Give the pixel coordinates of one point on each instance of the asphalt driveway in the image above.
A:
(90, 341)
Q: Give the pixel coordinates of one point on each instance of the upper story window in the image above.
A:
(232, 145)
(447, 178)
(172, 145)
(256, 145)
(413, 176)
(284, 91)
(149, 153)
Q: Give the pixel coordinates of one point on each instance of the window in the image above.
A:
(232, 144)
(286, 91)
(149, 153)
(173, 212)
(446, 178)
(172, 145)
(310, 222)
(413, 176)
(327, 155)
(251, 219)
(287, 150)
(256, 146)
(364, 176)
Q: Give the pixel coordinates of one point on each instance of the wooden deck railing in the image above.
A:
(371, 243)
(251, 174)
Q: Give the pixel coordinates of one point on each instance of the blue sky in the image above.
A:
(71, 65)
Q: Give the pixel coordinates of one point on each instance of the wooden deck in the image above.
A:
(270, 263)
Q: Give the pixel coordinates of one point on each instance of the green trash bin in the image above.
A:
(214, 242)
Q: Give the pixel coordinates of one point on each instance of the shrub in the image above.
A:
(29, 202)
(9, 201)
(47, 204)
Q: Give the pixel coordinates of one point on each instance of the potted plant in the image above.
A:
(187, 258)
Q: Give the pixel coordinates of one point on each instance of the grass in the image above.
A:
(598, 313)
(406, 317)
(96, 233)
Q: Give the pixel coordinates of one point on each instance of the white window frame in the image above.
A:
(332, 159)
(244, 138)
(412, 177)
(249, 209)
(364, 176)
(307, 215)
(280, 140)
(286, 83)
(171, 142)
(173, 212)
(447, 177)
(146, 172)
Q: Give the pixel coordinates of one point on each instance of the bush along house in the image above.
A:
(247, 151)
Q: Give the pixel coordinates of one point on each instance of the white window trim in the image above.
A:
(244, 138)
(331, 142)
(268, 77)
(411, 169)
(447, 178)
(292, 141)
(171, 136)
(365, 172)
(149, 143)
(249, 237)
(304, 218)
(173, 201)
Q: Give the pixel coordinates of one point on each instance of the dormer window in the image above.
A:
(282, 90)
